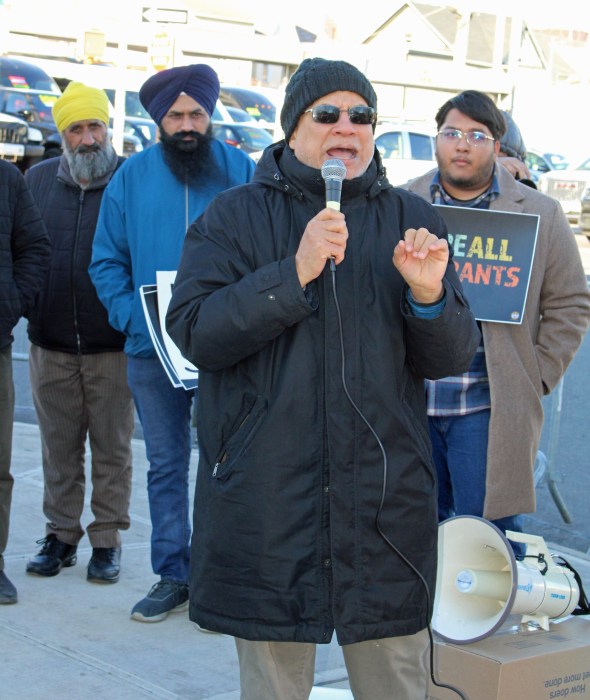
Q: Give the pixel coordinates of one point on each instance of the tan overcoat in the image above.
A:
(526, 361)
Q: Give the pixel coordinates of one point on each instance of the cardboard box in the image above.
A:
(518, 665)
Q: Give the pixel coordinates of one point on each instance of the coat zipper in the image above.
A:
(73, 271)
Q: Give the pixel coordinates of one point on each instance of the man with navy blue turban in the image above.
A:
(146, 210)
(199, 81)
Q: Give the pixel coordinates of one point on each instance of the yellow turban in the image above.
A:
(79, 102)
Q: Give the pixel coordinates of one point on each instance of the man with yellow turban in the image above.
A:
(147, 208)
(76, 361)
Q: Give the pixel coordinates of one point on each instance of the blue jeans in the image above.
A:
(459, 449)
(165, 416)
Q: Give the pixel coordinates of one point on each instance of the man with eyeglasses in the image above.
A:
(313, 329)
(145, 212)
(485, 424)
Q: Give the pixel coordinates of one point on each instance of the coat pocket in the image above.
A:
(238, 442)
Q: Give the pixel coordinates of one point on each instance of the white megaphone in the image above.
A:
(479, 581)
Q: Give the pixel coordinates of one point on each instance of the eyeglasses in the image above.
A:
(330, 114)
(474, 138)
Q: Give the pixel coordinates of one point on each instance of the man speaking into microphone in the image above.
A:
(315, 508)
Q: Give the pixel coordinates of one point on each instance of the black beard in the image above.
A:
(187, 159)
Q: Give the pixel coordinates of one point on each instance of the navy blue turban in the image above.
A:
(161, 91)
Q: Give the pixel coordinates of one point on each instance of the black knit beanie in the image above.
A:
(512, 143)
(315, 78)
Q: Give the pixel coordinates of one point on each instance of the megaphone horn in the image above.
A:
(479, 582)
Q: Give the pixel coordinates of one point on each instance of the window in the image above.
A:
(390, 144)
(422, 146)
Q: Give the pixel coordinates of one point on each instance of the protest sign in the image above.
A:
(493, 253)
(155, 299)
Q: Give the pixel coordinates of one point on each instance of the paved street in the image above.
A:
(565, 443)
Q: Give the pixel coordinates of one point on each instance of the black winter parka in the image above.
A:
(69, 316)
(24, 250)
(312, 514)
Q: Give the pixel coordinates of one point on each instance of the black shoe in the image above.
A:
(52, 557)
(7, 590)
(104, 565)
(164, 597)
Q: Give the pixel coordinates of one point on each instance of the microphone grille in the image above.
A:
(333, 169)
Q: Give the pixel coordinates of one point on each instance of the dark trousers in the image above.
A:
(6, 418)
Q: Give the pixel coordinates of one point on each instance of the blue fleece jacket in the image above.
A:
(144, 216)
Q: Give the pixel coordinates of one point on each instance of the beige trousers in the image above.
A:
(78, 397)
(395, 668)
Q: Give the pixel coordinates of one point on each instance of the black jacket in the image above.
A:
(24, 250)
(290, 479)
(69, 317)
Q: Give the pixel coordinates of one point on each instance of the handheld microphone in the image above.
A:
(333, 172)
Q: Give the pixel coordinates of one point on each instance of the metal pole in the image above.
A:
(555, 417)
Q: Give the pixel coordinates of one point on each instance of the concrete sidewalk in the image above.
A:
(67, 638)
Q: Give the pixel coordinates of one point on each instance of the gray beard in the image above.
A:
(89, 164)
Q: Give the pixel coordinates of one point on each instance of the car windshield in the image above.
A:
(249, 138)
(253, 103)
(258, 138)
(25, 76)
(239, 115)
(22, 103)
(558, 162)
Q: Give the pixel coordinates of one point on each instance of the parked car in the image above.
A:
(145, 130)
(567, 186)
(14, 141)
(34, 108)
(257, 105)
(240, 115)
(540, 162)
(250, 138)
(407, 150)
(26, 76)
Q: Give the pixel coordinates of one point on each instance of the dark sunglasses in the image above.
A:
(330, 114)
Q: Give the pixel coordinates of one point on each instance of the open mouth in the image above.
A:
(342, 153)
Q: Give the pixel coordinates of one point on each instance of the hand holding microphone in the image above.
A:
(325, 235)
(333, 172)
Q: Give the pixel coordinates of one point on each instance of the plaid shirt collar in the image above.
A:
(439, 196)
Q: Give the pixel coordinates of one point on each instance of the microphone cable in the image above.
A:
(389, 543)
